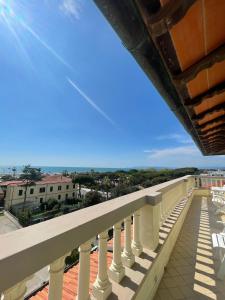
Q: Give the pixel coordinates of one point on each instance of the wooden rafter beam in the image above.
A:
(215, 133)
(215, 150)
(216, 143)
(219, 127)
(216, 90)
(206, 62)
(218, 108)
(213, 139)
(211, 122)
(215, 147)
(212, 131)
(168, 16)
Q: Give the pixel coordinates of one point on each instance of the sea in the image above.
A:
(57, 170)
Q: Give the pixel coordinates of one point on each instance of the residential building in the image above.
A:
(49, 187)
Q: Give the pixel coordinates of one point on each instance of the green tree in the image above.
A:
(30, 173)
(7, 177)
(72, 258)
(82, 179)
(92, 198)
(24, 218)
(106, 186)
(65, 173)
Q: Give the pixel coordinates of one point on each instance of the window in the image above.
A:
(67, 187)
(73, 194)
(42, 190)
(20, 192)
(59, 188)
(66, 196)
(31, 191)
(59, 197)
(51, 188)
(74, 186)
(41, 200)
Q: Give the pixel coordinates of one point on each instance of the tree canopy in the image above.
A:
(31, 173)
(92, 198)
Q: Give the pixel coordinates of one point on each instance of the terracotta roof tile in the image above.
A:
(70, 280)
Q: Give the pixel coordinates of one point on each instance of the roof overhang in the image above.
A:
(180, 44)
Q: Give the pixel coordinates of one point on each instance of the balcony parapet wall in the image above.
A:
(27, 250)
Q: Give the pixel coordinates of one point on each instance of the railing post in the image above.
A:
(56, 270)
(102, 287)
(185, 190)
(150, 221)
(136, 243)
(17, 292)
(127, 255)
(84, 271)
(116, 271)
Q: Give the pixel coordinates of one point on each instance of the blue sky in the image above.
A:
(72, 95)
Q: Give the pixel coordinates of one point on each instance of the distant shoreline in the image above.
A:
(54, 170)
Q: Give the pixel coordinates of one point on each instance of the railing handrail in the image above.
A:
(211, 176)
(21, 251)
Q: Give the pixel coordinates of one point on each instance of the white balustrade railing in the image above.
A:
(206, 181)
(27, 250)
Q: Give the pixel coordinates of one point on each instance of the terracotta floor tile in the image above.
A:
(193, 258)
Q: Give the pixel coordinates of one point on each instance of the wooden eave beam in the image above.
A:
(219, 127)
(213, 148)
(213, 138)
(168, 16)
(217, 132)
(216, 143)
(218, 108)
(216, 90)
(206, 62)
(211, 122)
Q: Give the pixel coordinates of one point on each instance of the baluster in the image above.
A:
(17, 292)
(127, 255)
(84, 271)
(116, 270)
(136, 244)
(102, 287)
(56, 271)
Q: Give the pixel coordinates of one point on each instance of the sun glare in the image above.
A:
(5, 7)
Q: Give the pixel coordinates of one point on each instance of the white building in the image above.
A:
(50, 187)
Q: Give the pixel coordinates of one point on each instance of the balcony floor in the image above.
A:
(191, 271)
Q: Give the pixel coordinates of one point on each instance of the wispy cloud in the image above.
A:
(182, 156)
(45, 45)
(71, 8)
(168, 152)
(180, 138)
(91, 102)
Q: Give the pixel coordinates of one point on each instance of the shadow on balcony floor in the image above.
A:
(191, 271)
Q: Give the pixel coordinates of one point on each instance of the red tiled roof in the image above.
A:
(48, 179)
(12, 182)
(54, 179)
(70, 279)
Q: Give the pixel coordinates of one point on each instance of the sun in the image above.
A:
(5, 7)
